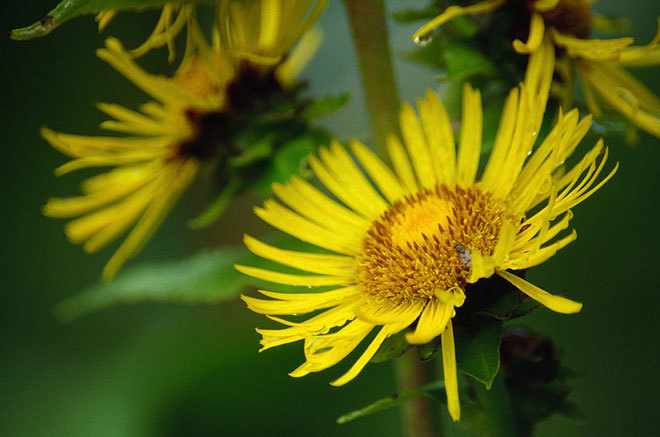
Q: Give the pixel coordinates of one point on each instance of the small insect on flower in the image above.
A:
(400, 254)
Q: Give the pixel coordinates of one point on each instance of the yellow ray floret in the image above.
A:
(600, 63)
(406, 247)
(152, 168)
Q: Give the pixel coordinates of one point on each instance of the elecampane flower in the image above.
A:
(600, 63)
(165, 142)
(403, 249)
(172, 20)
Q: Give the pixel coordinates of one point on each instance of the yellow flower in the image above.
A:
(263, 32)
(404, 250)
(166, 141)
(172, 20)
(600, 63)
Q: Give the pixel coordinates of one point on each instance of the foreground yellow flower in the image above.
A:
(599, 63)
(167, 140)
(404, 250)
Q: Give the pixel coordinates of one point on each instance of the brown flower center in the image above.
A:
(572, 17)
(421, 246)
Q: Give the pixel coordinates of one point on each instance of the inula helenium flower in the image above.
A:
(567, 24)
(401, 250)
(173, 135)
(171, 22)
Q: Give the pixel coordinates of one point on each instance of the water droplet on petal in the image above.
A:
(309, 286)
(424, 40)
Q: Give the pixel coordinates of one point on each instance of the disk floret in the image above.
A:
(420, 247)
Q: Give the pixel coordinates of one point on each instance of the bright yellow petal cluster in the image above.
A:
(172, 20)
(402, 249)
(263, 32)
(159, 155)
(600, 63)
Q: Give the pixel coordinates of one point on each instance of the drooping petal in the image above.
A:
(456, 11)
(555, 303)
(535, 38)
(591, 49)
(450, 372)
(431, 323)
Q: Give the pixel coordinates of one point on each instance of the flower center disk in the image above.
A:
(420, 247)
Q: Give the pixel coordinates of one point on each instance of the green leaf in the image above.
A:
(429, 350)
(206, 277)
(411, 15)
(288, 160)
(435, 390)
(258, 149)
(392, 347)
(428, 55)
(466, 27)
(478, 349)
(68, 9)
(216, 208)
(326, 105)
(463, 60)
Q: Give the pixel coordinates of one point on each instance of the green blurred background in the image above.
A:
(168, 370)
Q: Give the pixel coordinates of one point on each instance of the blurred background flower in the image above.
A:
(169, 370)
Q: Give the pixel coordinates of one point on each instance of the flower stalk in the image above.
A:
(368, 24)
(370, 37)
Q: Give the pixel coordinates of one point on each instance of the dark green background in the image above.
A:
(156, 369)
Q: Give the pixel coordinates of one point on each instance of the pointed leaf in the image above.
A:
(392, 347)
(464, 60)
(478, 350)
(326, 105)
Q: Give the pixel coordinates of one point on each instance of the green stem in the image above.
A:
(369, 28)
(500, 421)
(420, 415)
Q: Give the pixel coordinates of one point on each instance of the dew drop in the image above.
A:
(309, 286)
(424, 40)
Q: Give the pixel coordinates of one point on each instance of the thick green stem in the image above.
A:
(420, 415)
(500, 421)
(369, 28)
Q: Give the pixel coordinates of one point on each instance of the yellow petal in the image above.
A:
(381, 174)
(456, 11)
(469, 150)
(450, 372)
(291, 279)
(431, 323)
(536, 32)
(555, 303)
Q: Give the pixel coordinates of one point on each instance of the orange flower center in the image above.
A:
(421, 246)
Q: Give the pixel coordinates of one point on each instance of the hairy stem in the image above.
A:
(369, 28)
(420, 415)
